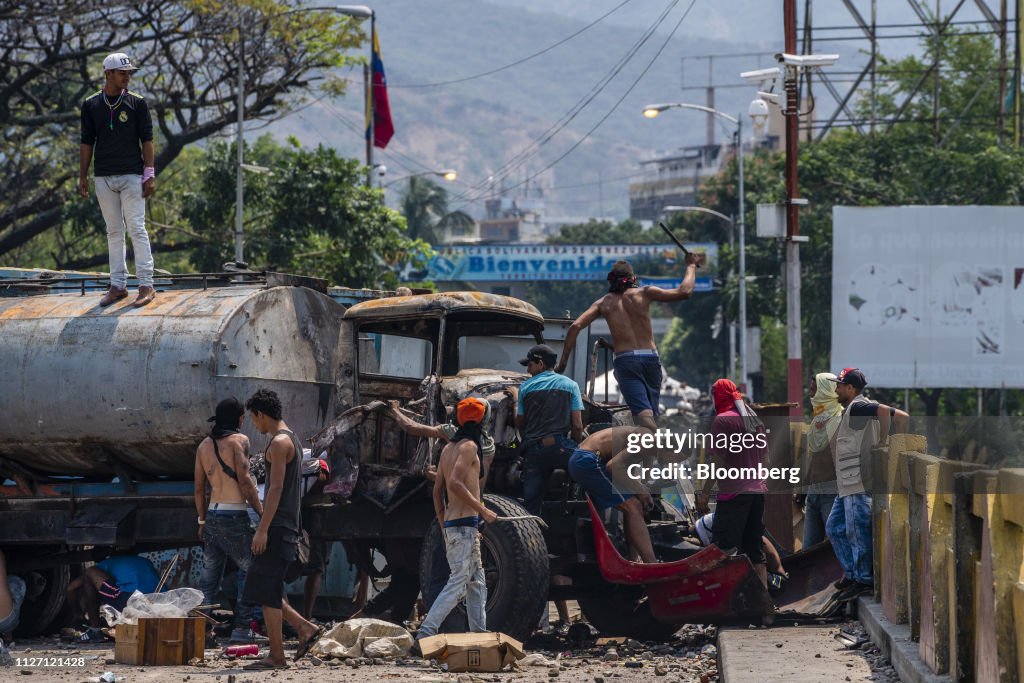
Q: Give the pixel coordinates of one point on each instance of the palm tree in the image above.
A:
(425, 205)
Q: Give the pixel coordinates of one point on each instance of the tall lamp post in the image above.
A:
(449, 174)
(787, 99)
(651, 111)
(356, 12)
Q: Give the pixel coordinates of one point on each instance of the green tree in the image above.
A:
(312, 214)
(189, 53)
(425, 207)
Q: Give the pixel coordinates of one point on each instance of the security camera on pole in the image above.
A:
(792, 65)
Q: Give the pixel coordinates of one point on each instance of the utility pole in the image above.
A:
(711, 101)
(874, 63)
(240, 147)
(1002, 71)
(794, 362)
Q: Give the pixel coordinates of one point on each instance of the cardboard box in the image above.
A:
(472, 651)
(160, 642)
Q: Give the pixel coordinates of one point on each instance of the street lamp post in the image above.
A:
(652, 111)
(448, 174)
(354, 11)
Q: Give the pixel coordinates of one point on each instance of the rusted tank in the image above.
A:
(97, 391)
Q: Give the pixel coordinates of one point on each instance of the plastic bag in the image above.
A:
(174, 603)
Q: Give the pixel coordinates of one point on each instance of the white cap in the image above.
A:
(118, 61)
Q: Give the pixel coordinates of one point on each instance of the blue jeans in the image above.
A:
(9, 622)
(462, 547)
(849, 529)
(539, 462)
(227, 534)
(816, 512)
(639, 379)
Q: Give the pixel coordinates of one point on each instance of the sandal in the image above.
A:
(304, 647)
(264, 665)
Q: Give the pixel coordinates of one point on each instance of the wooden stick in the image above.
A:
(167, 572)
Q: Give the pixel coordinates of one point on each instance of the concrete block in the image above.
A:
(894, 640)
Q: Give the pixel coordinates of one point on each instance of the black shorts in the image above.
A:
(111, 595)
(264, 582)
(739, 524)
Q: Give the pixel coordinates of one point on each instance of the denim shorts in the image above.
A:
(639, 379)
(588, 471)
(17, 588)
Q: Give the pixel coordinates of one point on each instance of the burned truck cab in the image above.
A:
(428, 352)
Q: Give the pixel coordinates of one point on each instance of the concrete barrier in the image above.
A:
(949, 560)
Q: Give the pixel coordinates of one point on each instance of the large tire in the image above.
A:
(38, 613)
(515, 559)
(618, 615)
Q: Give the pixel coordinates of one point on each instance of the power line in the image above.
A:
(518, 61)
(534, 147)
(619, 101)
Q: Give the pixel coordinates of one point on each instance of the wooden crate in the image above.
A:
(160, 642)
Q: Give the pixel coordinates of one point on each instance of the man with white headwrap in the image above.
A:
(820, 470)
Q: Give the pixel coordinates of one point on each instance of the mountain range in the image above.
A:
(525, 129)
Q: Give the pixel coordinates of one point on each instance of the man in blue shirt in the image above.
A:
(548, 406)
(110, 582)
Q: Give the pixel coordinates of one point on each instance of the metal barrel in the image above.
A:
(99, 392)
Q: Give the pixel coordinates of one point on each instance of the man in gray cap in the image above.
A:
(865, 424)
(116, 124)
(548, 406)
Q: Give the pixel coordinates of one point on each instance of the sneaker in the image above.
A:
(257, 628)
(843, 583)
(92, 635)
(855, 589)
(5, 655)
(246, 635)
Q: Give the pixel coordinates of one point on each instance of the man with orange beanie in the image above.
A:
(458, 476)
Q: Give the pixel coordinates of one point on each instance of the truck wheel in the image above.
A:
(515, 559)
(625, 616)
(38, 612)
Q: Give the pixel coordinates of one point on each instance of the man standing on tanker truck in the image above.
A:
(626, 307)
(115, 123)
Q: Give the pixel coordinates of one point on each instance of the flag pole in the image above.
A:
(368, 87)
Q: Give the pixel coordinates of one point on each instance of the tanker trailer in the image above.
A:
(101, 410)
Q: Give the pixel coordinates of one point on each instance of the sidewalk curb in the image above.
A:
(894, 640)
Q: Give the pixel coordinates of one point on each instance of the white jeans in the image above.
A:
(120, 198)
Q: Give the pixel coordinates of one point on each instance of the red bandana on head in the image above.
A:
(725, 394)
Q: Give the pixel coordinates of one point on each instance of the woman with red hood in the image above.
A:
(739, 515)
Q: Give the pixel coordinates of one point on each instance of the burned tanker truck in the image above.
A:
(102, 409)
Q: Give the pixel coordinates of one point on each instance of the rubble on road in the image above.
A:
(364, 638)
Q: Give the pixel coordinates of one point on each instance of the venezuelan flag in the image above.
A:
(383, 128)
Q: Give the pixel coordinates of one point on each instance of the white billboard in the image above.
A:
(929, 296)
